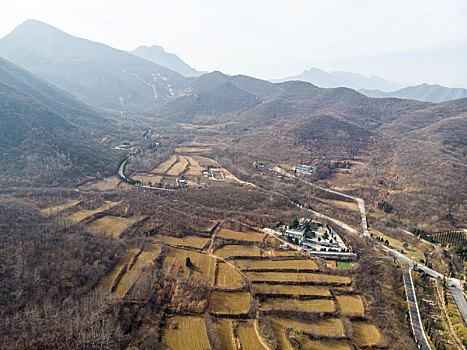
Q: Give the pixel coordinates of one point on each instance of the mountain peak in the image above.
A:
(158, 55)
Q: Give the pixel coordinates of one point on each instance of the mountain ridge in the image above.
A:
(159, 56)
(423, 92)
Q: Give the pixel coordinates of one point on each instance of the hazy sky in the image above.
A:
(263, 38)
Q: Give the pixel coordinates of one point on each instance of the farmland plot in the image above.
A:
(58, 208)
(365, 334)
(237, 250)
(350, 305)
(83, 214)
(286, 277)
(186, 332)
(186, 241)
(306, 264)
(111, 225)
(329, 327)
(200, 263)
(241, 236)
(150, 252)
(293, 290)
(178, 167)
(223, 329)
(248, 337)
(314, 305)
(233, 303)
(108, 281)
(164, 166)
(227, 277)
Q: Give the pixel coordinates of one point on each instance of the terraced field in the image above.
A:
(108, 281)
(179, 167)
(186, 241)
(247, 336)
(228, 277)
(305, 264)
(365, 334)
(237, 250)
(232, 303)
(194, 169)
(327, 345)
(58, 208)
(111, 225)
(329, 327)
(249, 236)
(223, 329)
(186, 332)
(285, 277)
(293, 290)
(314, 305)
(200, 263)
(350, 305)
(85, 213)
(150, 252)
(164, 166)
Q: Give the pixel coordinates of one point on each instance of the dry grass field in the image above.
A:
(297, 277)
(111, 225)
(107, 184)
(285, 253)
(194, 169)
(223, 329)
(314, 305)
(201, 263)
(187, 241)
(186, 332)
(350, 305)
(108, 280)
(179, 167)
(191, 149)
(237, 250)
(327, 345)
(329, 327)
(248, 337)
(228, 277)
(150, 252)
(58, 208)
(291, 289)
(145, 178)
(233, 303)
(331, 264)
(342, 204)
(249, 236)
(276, 264)
(365, 334)
(83, 214)
(164, 166)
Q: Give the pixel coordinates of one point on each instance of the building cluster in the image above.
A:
(315, 238)
(303, 168)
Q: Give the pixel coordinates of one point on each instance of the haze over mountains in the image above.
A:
(354, 81)
(423, 92)
(97, 74)
(158, 55)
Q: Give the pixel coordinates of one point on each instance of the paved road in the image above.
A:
(458, 295)
(414, 313)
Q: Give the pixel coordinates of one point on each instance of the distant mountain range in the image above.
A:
(158, 55)
(354, 81)
(423, 92)
(97, 74)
